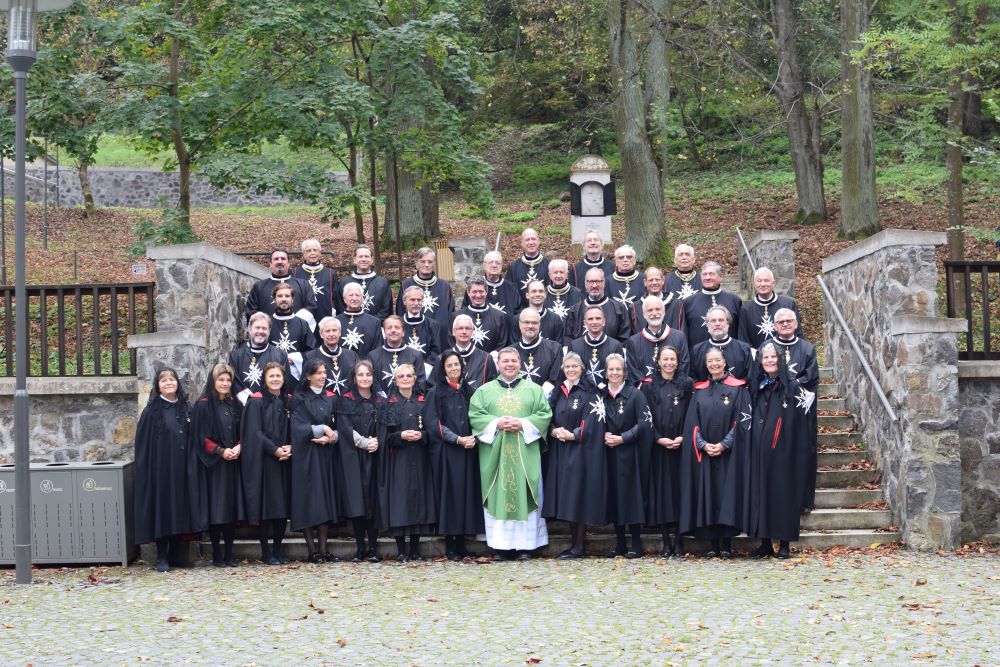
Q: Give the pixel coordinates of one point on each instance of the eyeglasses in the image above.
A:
(784, 321)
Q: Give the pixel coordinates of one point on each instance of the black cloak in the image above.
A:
(267, 482)
(314, 466)
(356, 414)
(668, 402)
(215, 426)
(406, 500)
(627, 415)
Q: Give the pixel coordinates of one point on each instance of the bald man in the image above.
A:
(684, 280)
(757, 316)
(531, 265)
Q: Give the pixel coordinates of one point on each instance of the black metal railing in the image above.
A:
(972, 289)
(78, 330)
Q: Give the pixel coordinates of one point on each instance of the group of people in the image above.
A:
(593, 393)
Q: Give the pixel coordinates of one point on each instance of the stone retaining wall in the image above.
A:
(979, 432)
(776, 251)
(72, 419)
(885, 288)
(133, 188)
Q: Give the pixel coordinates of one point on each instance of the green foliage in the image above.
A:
(513, 228)
(174, 228)
(531, 175)
(519, 216)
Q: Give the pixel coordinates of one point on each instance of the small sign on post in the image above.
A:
(139, 269)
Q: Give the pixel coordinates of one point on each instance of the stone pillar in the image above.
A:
(885, 289)
(775, 250)
(200, 296)
(979, 433)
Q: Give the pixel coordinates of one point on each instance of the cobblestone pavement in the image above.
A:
(895, 607)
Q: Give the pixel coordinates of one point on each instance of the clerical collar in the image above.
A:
(173, 402)
(648, 334)
(478, 309)
(625, 279)
(711, 292)
(532, 261)
(312, 268)
(413, 320)
(466, 352)
(595, 342)
(333, 354)
(508, 385)
(596, 263)
(765, 302)
(281, 279)
(721, 343)
(363, 276)
(386, 347)
(353, 313)
(686, 276)
(591, 302)
(790, 341)
(490, 283)
(559, 291)
(257, 350)
(529, 346)
(426, 283)
(283, 318)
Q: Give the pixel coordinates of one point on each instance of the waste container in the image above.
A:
(80, 513)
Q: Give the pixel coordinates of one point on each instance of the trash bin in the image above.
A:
(80, 513)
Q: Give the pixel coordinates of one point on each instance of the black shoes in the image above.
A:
(316, 557)
(501, 555)
(162, 566)
(764, 551)
(522, 555)
(453, 556)
(359, 556)
(783, 553)
(570, 554)
(401, 558)
(371, 556)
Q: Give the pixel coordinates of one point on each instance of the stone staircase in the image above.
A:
(849, 511)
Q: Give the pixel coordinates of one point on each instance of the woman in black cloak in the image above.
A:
(406, 500)
(779, 438)
(314, 493)
(265, 463)
(358, 446)
(576, 479)
(627, 435)
(668, 396)
(715, 458)
(454, 458)
(161, 507)
(216, 429)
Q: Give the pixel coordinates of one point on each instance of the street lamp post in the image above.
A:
(21, 56)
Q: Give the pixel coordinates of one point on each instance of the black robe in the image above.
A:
(523, 271)
(739, 358)
(541, 361)
(267, 482)
(673, 313)
(215, 426)
(578, 271)
(576, 471)
(315, 497)
(668, 402)
(339, 364)
(360, 332)
(162, 501)
(696, 308)
(593, 353)
(712, 487)
(456, 469)
(560, 300)
(322, 282)
(642, 349)
(407, 503)
(248, 363)
(757, 319)
(387, 359)
(800, 357)
(627, 415)
(682, 285)
(626, 290)
(291, 334)
(478, 368)
(491, 330)
(780, 438)
(502, 295)
(551, 326)
(357, 483)
(375, 291)
(425, 335)
(617, 320)
(261, 296)
(438, 300)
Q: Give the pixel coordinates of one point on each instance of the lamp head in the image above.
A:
(21, 18)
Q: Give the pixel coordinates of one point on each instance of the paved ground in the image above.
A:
(893, 607)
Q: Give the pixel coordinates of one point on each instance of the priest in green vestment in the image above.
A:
(510, 418)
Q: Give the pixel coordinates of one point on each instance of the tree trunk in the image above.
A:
(956, 214)
(411, 219)
(353, 169)
(972, 103)
(858, 201)
(88, 195)
(373, 170)
(177, 135)
(430, 207)
(807, 160)
(641, 178)
(656, 81)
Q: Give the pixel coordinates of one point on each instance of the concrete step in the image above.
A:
(839, 479)
(833, 498)
(838, 439)
(845, 519)
(840, 458)
(836, 423)
(831, 403)
(828, 389)
(248, 551)
(826, 375)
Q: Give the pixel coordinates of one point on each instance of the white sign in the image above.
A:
(139, 270)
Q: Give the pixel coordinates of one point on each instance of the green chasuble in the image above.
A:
(510, 467)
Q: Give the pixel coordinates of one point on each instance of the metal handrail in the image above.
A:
(746, 251)
(4, 171)
(857, 349)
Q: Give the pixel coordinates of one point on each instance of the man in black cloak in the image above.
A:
(339, 361)
(249, 360)
(478, 367)
(594, 346)
(739, 355)
(561, 296)
(422, 333)
(618, 320)
(290, 334)
(438, 302)
(541, 358)
(531, 265)
(321, 279)
(500, 293)
(491, 331)
(626, 284)
(360, 331)
(673, 308)
(757, 316)
(711, 294)
(684, 280)
(393, 352)
(593, 258)
(643, 348)
(376, 293)
(261, 296)
(552, 325)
